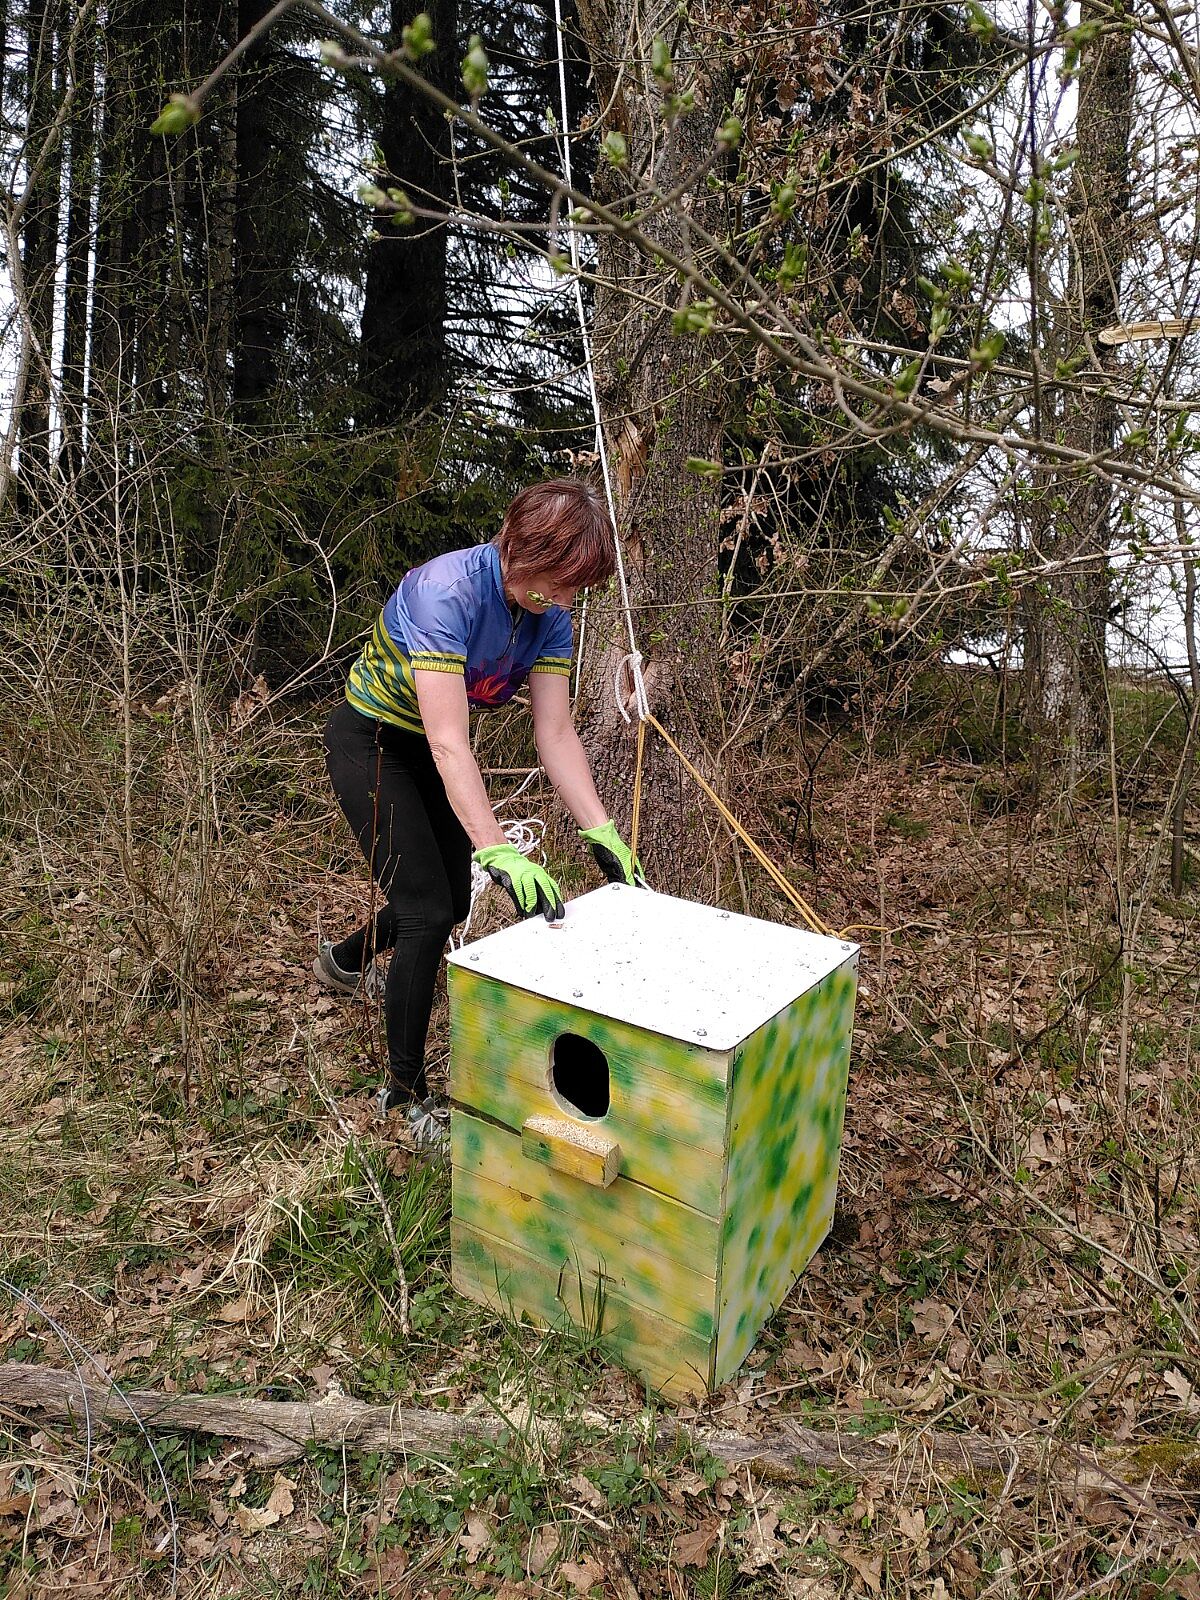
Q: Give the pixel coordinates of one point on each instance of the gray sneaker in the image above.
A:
(428, 1120)
(327, 973)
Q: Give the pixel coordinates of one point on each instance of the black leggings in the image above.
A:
(419, 854)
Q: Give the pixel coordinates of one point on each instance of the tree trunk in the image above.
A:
(80, 182)
(110, 363)
(257, 318)
(1065, 645)
(404, 351)
(39, 240)
(219, 170)
(666, 390)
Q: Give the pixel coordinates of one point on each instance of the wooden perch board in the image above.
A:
(275, 1431)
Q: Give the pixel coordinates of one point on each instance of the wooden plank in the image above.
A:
(511, 1013)
(657, 1222)
(497, 1274)
(573, 1148)
(670, 1126)
(691, 1173)
(652, 1282)
(589, 1228)
(786, 1109)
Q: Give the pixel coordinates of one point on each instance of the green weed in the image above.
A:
(339, 1239)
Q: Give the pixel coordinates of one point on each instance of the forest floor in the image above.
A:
(184, 1142)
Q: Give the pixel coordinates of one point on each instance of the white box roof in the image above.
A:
(671, 966)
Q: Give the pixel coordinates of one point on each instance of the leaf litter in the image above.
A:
(1014, 1253)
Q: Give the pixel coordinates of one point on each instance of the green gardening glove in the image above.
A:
(613, 855)
(532, 888)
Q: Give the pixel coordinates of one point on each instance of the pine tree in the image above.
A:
(405, 360)
(39, 238)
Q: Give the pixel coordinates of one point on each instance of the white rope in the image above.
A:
(632, 663)
(633, 659)
(525, 835)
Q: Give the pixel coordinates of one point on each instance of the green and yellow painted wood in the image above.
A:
(672, 1226)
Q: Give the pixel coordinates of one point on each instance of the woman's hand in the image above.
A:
(531, 887)
(613, 855)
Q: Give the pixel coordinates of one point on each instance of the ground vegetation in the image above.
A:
(893, 315)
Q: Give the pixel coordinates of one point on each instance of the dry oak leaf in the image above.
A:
(240, 1310)
(693, 1549)
(475, 1537)
(912, 1524)
(587, 1491)
(59, 1513)
(384, 1570)
(869, 1568)
(542, 1546)
(762, 1547)
(280, 1504)
(685, 1482)
(800, 1586)
(931, 1320)
(582, 1574)
(1181, 1388)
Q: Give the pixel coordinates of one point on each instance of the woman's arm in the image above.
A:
(560, 751)
(442, 698)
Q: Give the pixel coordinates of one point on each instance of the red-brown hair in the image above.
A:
(560, 528)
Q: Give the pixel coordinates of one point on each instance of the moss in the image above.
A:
(1177, 1460)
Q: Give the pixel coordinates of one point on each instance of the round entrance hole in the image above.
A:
(579, 1073)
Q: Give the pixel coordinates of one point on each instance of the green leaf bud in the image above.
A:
(615, 149)
(979, 22)
(987, 350)
(417, 38)
(783, 200)
(729, 134)
(979, 145)
(403, 213)
(178, 115)
(955, 274)
(475, 68)
(699, 317)
(661, 64)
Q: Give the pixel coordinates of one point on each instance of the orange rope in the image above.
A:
(637, 790)
(816, 923)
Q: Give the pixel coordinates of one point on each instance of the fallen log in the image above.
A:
(277, 1431)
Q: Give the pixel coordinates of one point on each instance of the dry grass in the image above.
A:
(1015, 1251)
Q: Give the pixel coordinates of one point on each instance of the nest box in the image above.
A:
(647, 1106)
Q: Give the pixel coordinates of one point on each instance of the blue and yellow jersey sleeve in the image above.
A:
(425, 626)
(381, 682)
(555, 652)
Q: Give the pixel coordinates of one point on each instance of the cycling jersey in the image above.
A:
(452, 615)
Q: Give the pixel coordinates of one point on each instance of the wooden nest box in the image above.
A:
(646, 1123)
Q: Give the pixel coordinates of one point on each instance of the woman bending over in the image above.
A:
(465, 631)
